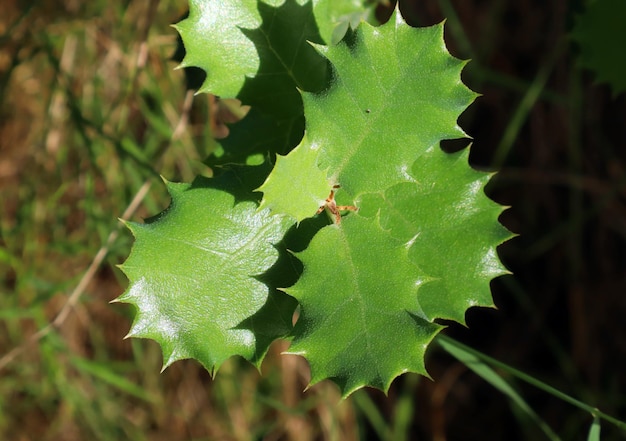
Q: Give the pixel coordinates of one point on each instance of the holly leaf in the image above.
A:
(260, 53)
(335, 17)
(423, 219)
(360, 322)
(452, 228)
(195, 273)
(281, 193)
(395, 92)
(214, 41)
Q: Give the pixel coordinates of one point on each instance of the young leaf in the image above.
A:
(335, 17)
(194, 275)
(280, 193)
(214, 41)
(373, 283)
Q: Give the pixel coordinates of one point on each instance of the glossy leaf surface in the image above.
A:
(411, 238)
(423, 220)
(361, 323)
(194, 276)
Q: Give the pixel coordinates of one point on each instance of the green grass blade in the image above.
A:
(373, 415)
(103, 371)
(490, 376)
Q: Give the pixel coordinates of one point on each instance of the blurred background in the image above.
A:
(92, 112)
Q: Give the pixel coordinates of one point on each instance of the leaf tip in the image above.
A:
(321, 49)
(131, 333)
(397, 17)
(164, 367)
(128, 224)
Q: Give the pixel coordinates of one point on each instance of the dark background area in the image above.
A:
(70, 164)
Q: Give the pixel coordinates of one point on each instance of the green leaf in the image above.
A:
(259, 134)
(260, 53)
(453, 230)
(396, 91)
(203, 273)
(214, 41)
(280, 193)
(360, 322)
(335, 17)
(423, 220)
(194, 273)
(601, 35)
